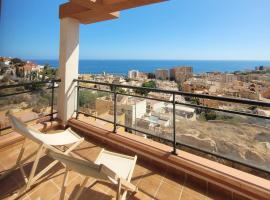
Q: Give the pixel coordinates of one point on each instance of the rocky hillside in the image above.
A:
(247, 143)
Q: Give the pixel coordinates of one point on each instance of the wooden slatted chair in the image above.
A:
(109, 167)
(45, 142)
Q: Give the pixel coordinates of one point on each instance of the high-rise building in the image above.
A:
(181, 74)
(162, 74)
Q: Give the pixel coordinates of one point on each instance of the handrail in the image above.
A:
(29, 83)
(175, 143)
(204, 96)
(180, 103)
(52, 87)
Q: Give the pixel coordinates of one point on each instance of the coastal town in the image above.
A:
(253, 84)
(143, 111)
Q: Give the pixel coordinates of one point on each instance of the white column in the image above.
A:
(68, 68)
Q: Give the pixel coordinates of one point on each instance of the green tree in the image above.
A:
(121, 91)
(179, 85)
(17, 61)
(143, 91)
(49, 71)
(209, 115)
(88, 98)
(34, 86)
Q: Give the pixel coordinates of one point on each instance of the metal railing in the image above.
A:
(175, 144)
(30, 87)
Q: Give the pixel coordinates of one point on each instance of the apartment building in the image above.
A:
(162, 74)
(181, 74)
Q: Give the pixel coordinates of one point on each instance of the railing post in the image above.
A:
(114, 109)
(174, 127)
(78, 100)
(52, 100)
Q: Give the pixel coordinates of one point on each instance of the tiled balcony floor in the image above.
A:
(152, 183)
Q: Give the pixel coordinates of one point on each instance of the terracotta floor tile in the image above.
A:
(138, 174)
(8, 161)
(17, 176)
(45, 191)
(7, 187)
(153, 182)
(140, 195)
(73, 185)
(89, 153)
(112, 191)
(58, 176)
(92, 194)
(167, 191)
(2, 167)
(57, 197)
(102, 186)
(149, 185)
(98, 191)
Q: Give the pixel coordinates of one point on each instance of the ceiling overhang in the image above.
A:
(92, 11)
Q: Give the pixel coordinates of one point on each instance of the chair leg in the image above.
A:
(41, 173)
(23, 174)
(118, 194)
(64, 184)
(124, 195)
(83, 183)
(33, 170)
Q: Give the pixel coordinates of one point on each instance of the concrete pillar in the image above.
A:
(68, 68)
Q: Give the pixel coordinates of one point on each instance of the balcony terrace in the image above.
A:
(154, 181)
(189, 150)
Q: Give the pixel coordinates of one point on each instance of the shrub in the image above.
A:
(144, 92)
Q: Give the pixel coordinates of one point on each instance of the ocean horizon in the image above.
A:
(123, 66)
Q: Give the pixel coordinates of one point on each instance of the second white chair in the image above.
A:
(109, 166)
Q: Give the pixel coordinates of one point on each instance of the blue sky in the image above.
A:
(177, 29)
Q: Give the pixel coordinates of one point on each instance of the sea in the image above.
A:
(121, 67)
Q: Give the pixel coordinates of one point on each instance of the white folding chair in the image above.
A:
(45, 142)
(109, 166)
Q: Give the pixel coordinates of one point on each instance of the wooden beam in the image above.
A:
(114, 5)
(91, 11)
(68, 9)
(101, 17)
(85, 15)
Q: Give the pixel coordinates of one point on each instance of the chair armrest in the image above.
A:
(127, 185)
(105, 170)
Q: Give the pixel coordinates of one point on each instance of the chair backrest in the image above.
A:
(86, 168)
(21, 128)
